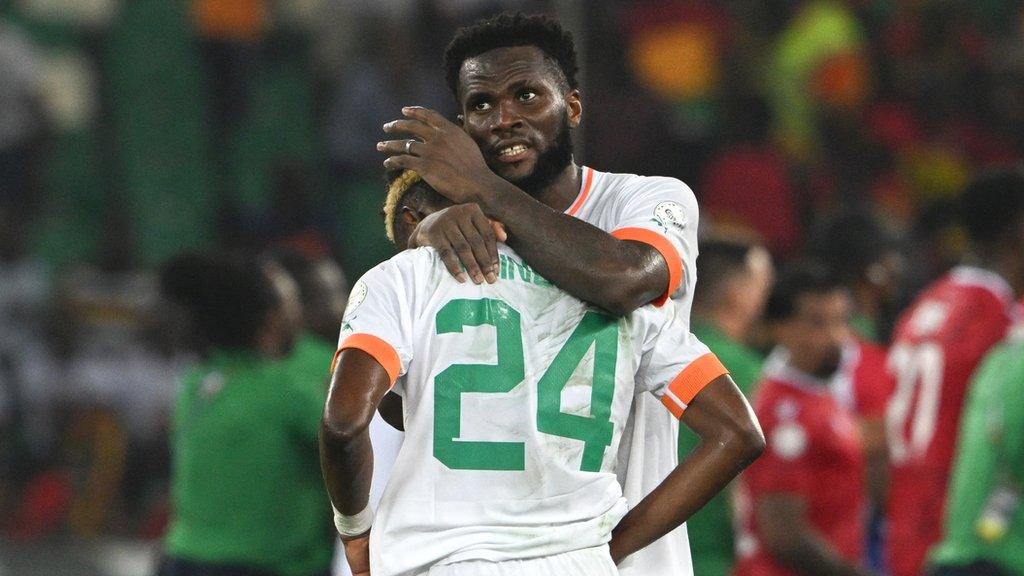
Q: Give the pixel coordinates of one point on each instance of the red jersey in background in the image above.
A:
(814, 451)
(937, 344)
(863, 384)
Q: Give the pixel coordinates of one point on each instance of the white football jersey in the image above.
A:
(516, 396)
(661, 212)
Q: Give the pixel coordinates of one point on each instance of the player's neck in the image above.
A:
(563, 189)
(808, 366)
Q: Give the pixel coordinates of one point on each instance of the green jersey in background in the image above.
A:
(246, 484)
(984, 513)
(710, 530)
(310, 361)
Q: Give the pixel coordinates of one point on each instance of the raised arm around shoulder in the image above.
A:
(585, 261)
(730, 439)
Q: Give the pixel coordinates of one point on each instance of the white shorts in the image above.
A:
(587, 562)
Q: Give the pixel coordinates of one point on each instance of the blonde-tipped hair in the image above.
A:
(398, 187)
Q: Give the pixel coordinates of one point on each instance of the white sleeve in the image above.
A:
(378, 319)
(675, 366)
(662, 212)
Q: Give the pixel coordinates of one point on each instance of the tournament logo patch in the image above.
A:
(671, 214)
(355, 298)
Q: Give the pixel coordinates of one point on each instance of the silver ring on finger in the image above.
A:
(408, 146)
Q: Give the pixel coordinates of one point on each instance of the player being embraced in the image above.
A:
(515, 397)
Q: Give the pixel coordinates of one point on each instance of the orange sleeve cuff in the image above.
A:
(667, 251)
(382, 352)
(682, 390)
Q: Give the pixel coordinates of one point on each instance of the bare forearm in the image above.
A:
(579, 258)
(877, 457)
(704, 473)
(347, 465)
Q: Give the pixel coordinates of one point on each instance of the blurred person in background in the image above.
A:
(247, 496)
(802, 506)
(866, 257)
(377, 79)
(119, 384)
(735, 278)
(26, 299)
(230, 34)
(864, 254)
(27, 367)
(23, 124)
(983, 533)
(323, 292)
(750, 160)
(818, 67)
(938, 342)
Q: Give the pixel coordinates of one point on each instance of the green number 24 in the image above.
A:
(595, 430)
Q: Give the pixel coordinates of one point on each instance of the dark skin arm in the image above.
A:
(358, 384)
(730, 439)
(794, 543)
(390, 410)
(876, 454)
(617, 275)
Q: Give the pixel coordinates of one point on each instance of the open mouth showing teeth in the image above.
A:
(512, 150)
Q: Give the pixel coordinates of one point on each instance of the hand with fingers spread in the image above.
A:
(462, 233)
(441, 152)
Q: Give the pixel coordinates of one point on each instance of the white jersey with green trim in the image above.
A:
(516, 396)
(662, 212)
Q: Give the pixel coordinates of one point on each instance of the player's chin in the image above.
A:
(515, 171)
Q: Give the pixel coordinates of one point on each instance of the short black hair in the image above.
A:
(511, 29)
(851, 241)
(720, 260)
(797, 279)
(992, 205)
(228, 297)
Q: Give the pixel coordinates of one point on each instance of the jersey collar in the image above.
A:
(777, 368)
(982, 278)
(586, 183)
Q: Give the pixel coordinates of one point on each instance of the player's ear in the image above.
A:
(411, 216)
(460, 119)
(574, 107)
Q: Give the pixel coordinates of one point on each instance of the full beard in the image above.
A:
(549, 164)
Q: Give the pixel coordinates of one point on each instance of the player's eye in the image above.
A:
(480, 106)
(527, 95)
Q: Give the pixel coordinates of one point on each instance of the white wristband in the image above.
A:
(349, 526)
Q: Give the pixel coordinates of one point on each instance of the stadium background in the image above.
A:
(132, 130)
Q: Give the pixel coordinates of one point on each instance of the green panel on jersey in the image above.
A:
(494, 378)
(989, 468)
(601, 332)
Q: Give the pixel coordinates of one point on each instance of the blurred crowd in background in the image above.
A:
(131, 131)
